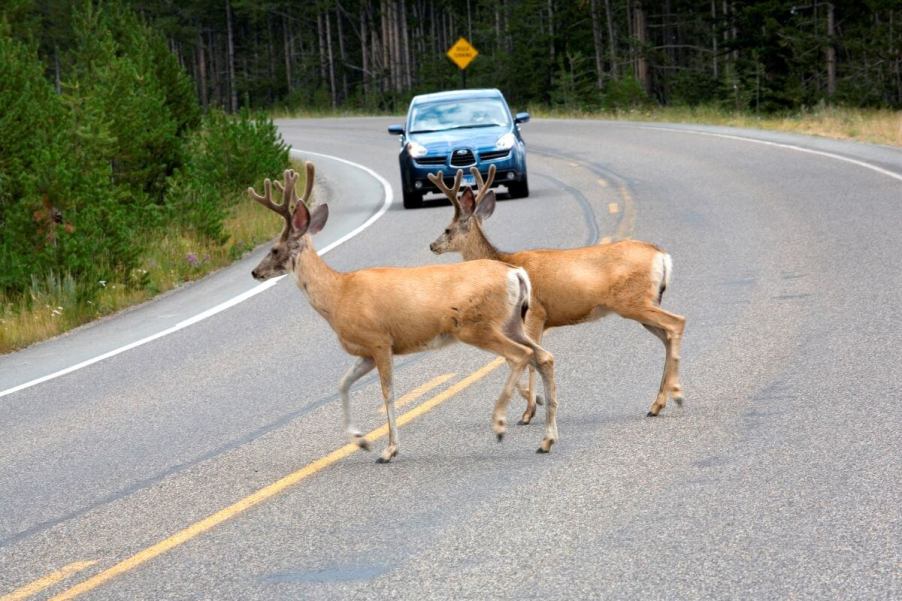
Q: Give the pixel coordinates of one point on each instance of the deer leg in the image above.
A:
(361, 367)
(532, 398)
(383, 360)
(543, 361)
(669, 328)
(535, 327)
(518, 356)
(661, 398)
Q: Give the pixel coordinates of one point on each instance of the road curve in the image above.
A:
(134, 477)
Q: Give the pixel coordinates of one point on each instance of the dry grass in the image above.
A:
(864, 125)
(173, 258)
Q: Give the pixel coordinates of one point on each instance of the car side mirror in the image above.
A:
(521, 118)
(396, 130)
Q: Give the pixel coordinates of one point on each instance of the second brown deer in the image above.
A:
(381, 312)
(575, 285)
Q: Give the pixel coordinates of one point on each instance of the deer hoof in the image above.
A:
(539, 400)
(500, 436)
(545, 447)
(387, 456)
(363, 443)
(650, 414)
(524, 421)
(678, 399)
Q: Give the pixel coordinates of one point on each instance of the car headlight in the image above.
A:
(506, 142)
(416, 150)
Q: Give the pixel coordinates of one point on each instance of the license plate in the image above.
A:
(468, 180)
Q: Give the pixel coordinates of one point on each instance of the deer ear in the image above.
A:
(300, 221)
(318, 219)
(486, 206)
(467, 202)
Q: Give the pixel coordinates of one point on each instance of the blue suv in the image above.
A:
(447, 131)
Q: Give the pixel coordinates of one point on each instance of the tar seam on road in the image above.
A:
(387, 189)
(588, 213)
(627, 219)
(269, 491)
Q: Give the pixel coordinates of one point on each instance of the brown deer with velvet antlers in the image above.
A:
(575, 285)
(381, 312)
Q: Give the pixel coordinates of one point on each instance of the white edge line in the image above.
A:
(389, 197)
(822, 153)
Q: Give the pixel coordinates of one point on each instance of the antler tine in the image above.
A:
(266, 199)
(289, 195)
(308, 184)
(438, 178)
(458, 177)
(482, 186)
(283, 209)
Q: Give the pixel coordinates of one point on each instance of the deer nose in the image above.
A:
(254, 274)
(433, 248)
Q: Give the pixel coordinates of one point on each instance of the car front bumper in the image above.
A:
(414, 172)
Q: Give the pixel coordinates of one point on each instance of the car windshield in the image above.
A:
(458, 114)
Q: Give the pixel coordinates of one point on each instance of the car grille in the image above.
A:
(439, 160)
(462, 158)
(494, 154)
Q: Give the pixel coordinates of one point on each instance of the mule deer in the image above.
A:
(576, 285)
(381, 312)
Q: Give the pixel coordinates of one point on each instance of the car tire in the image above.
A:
(412, 200)
(519, 189)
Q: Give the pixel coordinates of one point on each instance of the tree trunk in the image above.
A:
(830, 54)
(550, 30)
(201, 70)
(321, 45)
(641, 35)
(332, 90)
(364, 53)
(386, 47)
(286, 41)
(714, 39)
(233, 86)
(341, 56)
(405, 46)
(597, 42)
(612, 41)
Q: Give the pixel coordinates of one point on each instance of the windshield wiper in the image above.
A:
(475, 125)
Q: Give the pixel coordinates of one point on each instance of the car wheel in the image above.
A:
(519, 189)
(412, 200)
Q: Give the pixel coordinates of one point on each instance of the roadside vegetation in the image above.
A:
(114, 185)
(877, 126)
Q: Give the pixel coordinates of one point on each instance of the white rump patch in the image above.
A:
(514, 277)
(661, 270)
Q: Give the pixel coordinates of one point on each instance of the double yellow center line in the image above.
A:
(251, 500)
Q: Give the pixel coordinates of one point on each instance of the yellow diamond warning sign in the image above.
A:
(462, 53)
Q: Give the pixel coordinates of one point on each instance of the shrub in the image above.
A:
(223, 157)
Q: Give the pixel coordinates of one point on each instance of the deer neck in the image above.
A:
(318, 281)
(479, 247)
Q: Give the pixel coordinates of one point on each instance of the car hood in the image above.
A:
(446, 141)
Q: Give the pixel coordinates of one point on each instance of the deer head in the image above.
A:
(299, 221)
(469, 210)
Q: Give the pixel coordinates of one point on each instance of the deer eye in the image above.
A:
(273, 252)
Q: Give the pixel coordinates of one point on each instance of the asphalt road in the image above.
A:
(779, 479)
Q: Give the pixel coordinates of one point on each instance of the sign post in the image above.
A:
(462, 54)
